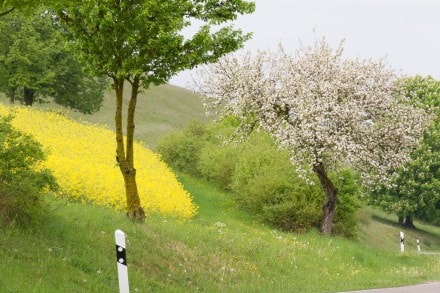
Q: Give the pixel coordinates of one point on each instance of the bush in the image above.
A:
(267, 185)
(347, 211)
(181, 150)
(217, 164)
(279, 197)
(288, 203)
(22, 180)
(219, 156)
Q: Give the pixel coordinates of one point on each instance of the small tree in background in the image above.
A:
(326, 111)
(34, 61)
(142, 42)
(25, 62)
(415, 191)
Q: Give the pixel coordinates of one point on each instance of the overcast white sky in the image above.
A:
(404, 32)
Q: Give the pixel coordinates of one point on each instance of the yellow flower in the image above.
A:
(82, 158)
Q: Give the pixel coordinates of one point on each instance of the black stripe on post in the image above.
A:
(121, 255)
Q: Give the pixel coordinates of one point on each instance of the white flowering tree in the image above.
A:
(327, 111)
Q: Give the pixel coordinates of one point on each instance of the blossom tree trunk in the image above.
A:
(409, 222)
(329, 207)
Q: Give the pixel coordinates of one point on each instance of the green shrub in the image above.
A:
(181, 150)
(22, 180)
(286, 203)
(267, 185)
(346, 216)
(217, 163)
(257, 154)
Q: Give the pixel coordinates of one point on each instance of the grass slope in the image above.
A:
(159, 111)
(221, 250)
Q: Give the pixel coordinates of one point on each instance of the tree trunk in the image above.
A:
(12, 91)
(29, 95)
(125, 156)
(400, 221)
(331, 192)
(409, 222)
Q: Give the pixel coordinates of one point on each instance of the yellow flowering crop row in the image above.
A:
(82, 158)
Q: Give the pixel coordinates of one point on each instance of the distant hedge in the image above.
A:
(261, 176)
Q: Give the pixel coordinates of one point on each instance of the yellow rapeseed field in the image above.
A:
(82, 158)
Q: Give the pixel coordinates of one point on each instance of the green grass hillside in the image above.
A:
(159, 111)
(221, 250)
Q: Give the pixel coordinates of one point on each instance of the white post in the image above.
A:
(402, 242)
(121, 260)
(418, 246)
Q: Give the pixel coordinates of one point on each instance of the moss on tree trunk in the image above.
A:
(124, 152)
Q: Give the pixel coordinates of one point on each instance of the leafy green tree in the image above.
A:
(5, 8)
(73, 88)
(7, 29)
(415, 192)
(27, 61)
(142, 42)
(33, 59)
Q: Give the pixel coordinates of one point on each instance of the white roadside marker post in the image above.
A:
(121, 260)
(402, 242)
(418, 246)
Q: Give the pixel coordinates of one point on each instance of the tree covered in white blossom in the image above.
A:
(329, 112)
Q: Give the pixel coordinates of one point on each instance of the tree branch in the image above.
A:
(6, 11)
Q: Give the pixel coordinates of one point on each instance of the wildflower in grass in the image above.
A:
(80, 157)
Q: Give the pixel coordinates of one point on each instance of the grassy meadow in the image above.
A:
(220, 250)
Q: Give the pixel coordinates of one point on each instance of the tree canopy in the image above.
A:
(145, 39)
(28, 6)
(328, 112)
